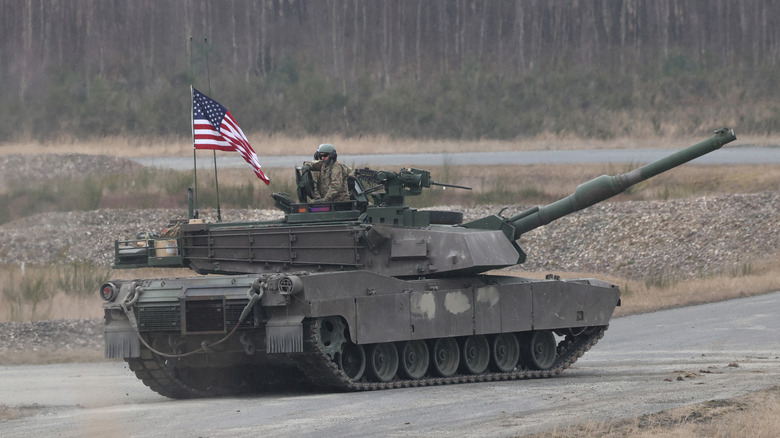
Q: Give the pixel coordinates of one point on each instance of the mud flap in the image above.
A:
(121, 343)
(284, 334)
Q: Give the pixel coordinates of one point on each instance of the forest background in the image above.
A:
(447, 69)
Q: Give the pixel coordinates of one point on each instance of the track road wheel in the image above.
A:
(505, 352)
(446, 356)
(352, 361)
(414, 359)
(539, 350)
(383, 361)
(476, 354)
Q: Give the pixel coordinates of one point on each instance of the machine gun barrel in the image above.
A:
(450, 185)
(605, 187)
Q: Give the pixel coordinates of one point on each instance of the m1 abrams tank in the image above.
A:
(360, 295)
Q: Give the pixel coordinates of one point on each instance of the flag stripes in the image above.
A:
(214, 127)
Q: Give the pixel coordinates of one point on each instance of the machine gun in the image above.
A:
(396, 185)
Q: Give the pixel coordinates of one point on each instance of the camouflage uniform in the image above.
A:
(332, 182)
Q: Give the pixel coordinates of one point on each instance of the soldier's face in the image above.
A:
(324, 156)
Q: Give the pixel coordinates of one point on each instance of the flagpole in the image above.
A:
(192, 126)
(194, 151)
(216, 179)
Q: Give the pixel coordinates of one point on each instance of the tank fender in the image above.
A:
(374, 306)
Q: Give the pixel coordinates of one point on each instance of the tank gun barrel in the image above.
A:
(605, 187)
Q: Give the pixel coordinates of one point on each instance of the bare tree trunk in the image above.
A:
(418, 36)
(520, 33)
(623, 31)
(151, 44)
(445, 63)
(482, 33)
(385, 47)
(588, 33)
(460, 36)
(334, 26)
(27, 48)
(355, 38)
(263, 37)
(664, 22)
(250, 42)
(500, 57)
(365, 32)
(233, 38)
(401, 34)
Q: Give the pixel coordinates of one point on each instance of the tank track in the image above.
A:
(319, 369)
(322, 371)
(152, 371)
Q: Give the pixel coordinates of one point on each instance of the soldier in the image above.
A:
(331, 176)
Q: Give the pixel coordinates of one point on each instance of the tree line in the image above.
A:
(421, 68)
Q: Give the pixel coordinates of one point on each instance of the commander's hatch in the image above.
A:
(306, 211)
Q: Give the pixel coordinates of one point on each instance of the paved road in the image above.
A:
(726, 349)
(727, 155)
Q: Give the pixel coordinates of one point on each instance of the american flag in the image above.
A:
(214, 127)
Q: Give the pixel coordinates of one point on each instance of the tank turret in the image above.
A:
(359, 295)
(378, 232)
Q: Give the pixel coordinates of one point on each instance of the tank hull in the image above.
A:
(317, 324)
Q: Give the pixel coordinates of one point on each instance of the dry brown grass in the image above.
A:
(553, 181)
(62, 305)
(286, 145)
(755, 414)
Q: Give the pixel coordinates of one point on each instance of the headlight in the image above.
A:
(108, 291)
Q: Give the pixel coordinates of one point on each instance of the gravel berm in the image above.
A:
(680, 239)
(642, 239)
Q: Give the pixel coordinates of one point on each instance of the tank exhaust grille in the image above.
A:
(233, 309)
(157, 318)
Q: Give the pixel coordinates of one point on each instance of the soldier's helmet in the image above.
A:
(326, 148)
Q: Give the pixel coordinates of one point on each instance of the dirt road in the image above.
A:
(645, 363)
